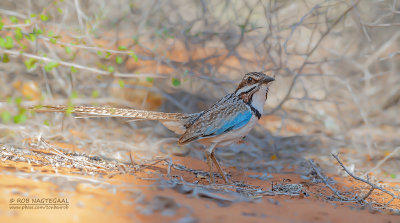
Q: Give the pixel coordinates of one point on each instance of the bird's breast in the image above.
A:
(230, 137)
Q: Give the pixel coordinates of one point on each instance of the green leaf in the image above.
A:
(176, 82)
(38, 106)
(73, 69)
(119, 60)
(13, 19)
(9, 43)
(121, 83)
(1, 25)
(108, 54)
(150, 79)
(37, 31)
(18, 101)
(2, 42)
(59, 10)
(133, 55)
(135, 58)
(18, 34)
(393, 176)
(20, 118)
(6, 59)
(27, 21)
(110, 69)
(74, 95)
(122, 48)
(31, 37)
(33, 15)
(48, 67)
(67, 49)
(46, 122)
(99, 53)
(43, 17)
(53, 40)
(70, 109)
(30, 63)
(6, 116)
(23, 47)
(50, 33)
(95, 94)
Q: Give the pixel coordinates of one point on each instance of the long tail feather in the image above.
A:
(112, 112)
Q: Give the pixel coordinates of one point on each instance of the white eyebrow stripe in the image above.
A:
(246, 89)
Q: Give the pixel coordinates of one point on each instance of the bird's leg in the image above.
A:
(219, 168)
(209, 153)
(210, 166)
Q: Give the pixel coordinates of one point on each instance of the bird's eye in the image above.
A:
(249, 79)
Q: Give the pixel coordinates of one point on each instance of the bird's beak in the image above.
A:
(268, 79)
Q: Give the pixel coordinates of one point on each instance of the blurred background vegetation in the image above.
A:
(336, 66)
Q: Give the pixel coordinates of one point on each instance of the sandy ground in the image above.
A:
(149, 194)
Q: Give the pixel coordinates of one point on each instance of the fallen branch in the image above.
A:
(323, 178)
(373, 186)
(58, 152)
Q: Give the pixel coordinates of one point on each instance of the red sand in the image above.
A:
(91, 202)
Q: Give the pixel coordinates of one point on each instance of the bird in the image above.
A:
(225, 122)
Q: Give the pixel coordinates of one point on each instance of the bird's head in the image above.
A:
(254, 83)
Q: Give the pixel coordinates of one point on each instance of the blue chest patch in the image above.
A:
(226, 125)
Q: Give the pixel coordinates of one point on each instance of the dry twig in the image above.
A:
(373, 186)
(323, 178)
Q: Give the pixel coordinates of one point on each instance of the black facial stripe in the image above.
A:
(248, 90)
(255, 111)
(250, 99)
